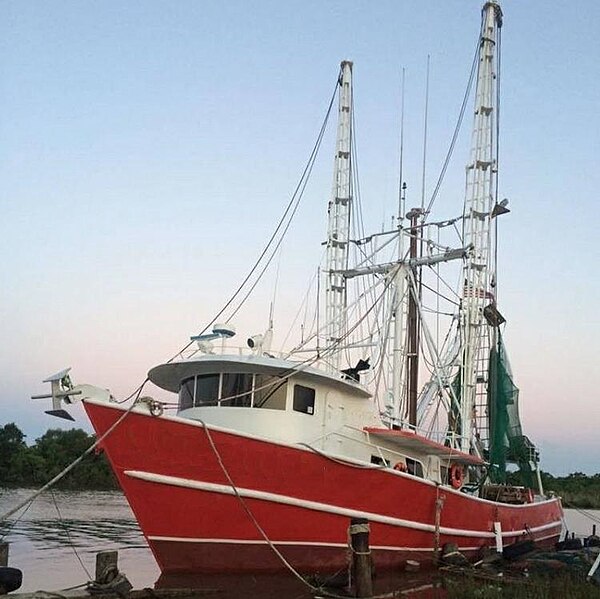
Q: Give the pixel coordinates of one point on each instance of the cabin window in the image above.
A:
(270, 392)
(304, 399)
(207, 390)
(242, 390)
(236, 390)
(414, 467)
(375, 459)
(186, 394)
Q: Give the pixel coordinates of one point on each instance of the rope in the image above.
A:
(287, 564)
(77, 586)
(70, 467)
(65, 528)
(355, 529)
(111, 581)
(583, 512)
(251, 515)
(14, 522)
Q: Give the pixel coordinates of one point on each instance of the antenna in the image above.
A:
(425, 136)
(401, 207)
(275, 286)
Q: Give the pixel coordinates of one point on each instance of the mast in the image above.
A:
(338, 231)
(400, 289)
(481, 175)
(412, 355)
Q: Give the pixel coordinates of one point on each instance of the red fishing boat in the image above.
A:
(267, 456)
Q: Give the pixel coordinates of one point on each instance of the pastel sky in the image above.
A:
(147, 148)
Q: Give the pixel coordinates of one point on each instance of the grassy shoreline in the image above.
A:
(538, 586)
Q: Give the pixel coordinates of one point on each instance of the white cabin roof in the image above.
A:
(168, 376)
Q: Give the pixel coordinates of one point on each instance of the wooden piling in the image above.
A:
(362, 578)
(439, 505)
(3, 554)
(106, 566)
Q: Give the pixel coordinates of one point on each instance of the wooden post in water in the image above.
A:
(362, 579)
(106, 566)
(3, 554)
(439, 504)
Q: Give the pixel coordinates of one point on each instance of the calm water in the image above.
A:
(40, 544)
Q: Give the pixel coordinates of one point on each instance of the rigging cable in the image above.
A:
(299, 186)
(292, 205)
(361, 284)
(456, 131)
(295, 201)
(303, 305)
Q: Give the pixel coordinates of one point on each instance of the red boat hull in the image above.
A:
(177, 477)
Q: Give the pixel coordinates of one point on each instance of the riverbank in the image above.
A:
(561, 586)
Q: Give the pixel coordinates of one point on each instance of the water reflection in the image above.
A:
(43, 543)
(278, 586)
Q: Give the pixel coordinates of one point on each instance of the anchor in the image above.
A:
(63, 390)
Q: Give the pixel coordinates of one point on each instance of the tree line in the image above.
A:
(23, 465)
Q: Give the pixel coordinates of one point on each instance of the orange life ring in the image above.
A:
(456, 476)
(400, 467)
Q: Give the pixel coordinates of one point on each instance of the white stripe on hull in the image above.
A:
(303, 543)
(292, 543)
(325, 507)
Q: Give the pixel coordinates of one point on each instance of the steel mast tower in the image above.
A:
(481, 173)
(338, 231)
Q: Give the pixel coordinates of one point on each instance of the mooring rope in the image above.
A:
(355, 527)
(68, 533)
(581, 511)
(260, 529)
(70, 467)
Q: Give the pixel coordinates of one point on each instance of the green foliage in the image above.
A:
(21, 465)
(576, 489)
(12, 445)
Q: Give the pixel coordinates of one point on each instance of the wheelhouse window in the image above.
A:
(186, 394)
(304, 399)
(239, 390)
(270, 392)
(236, 390)
(207, 390)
